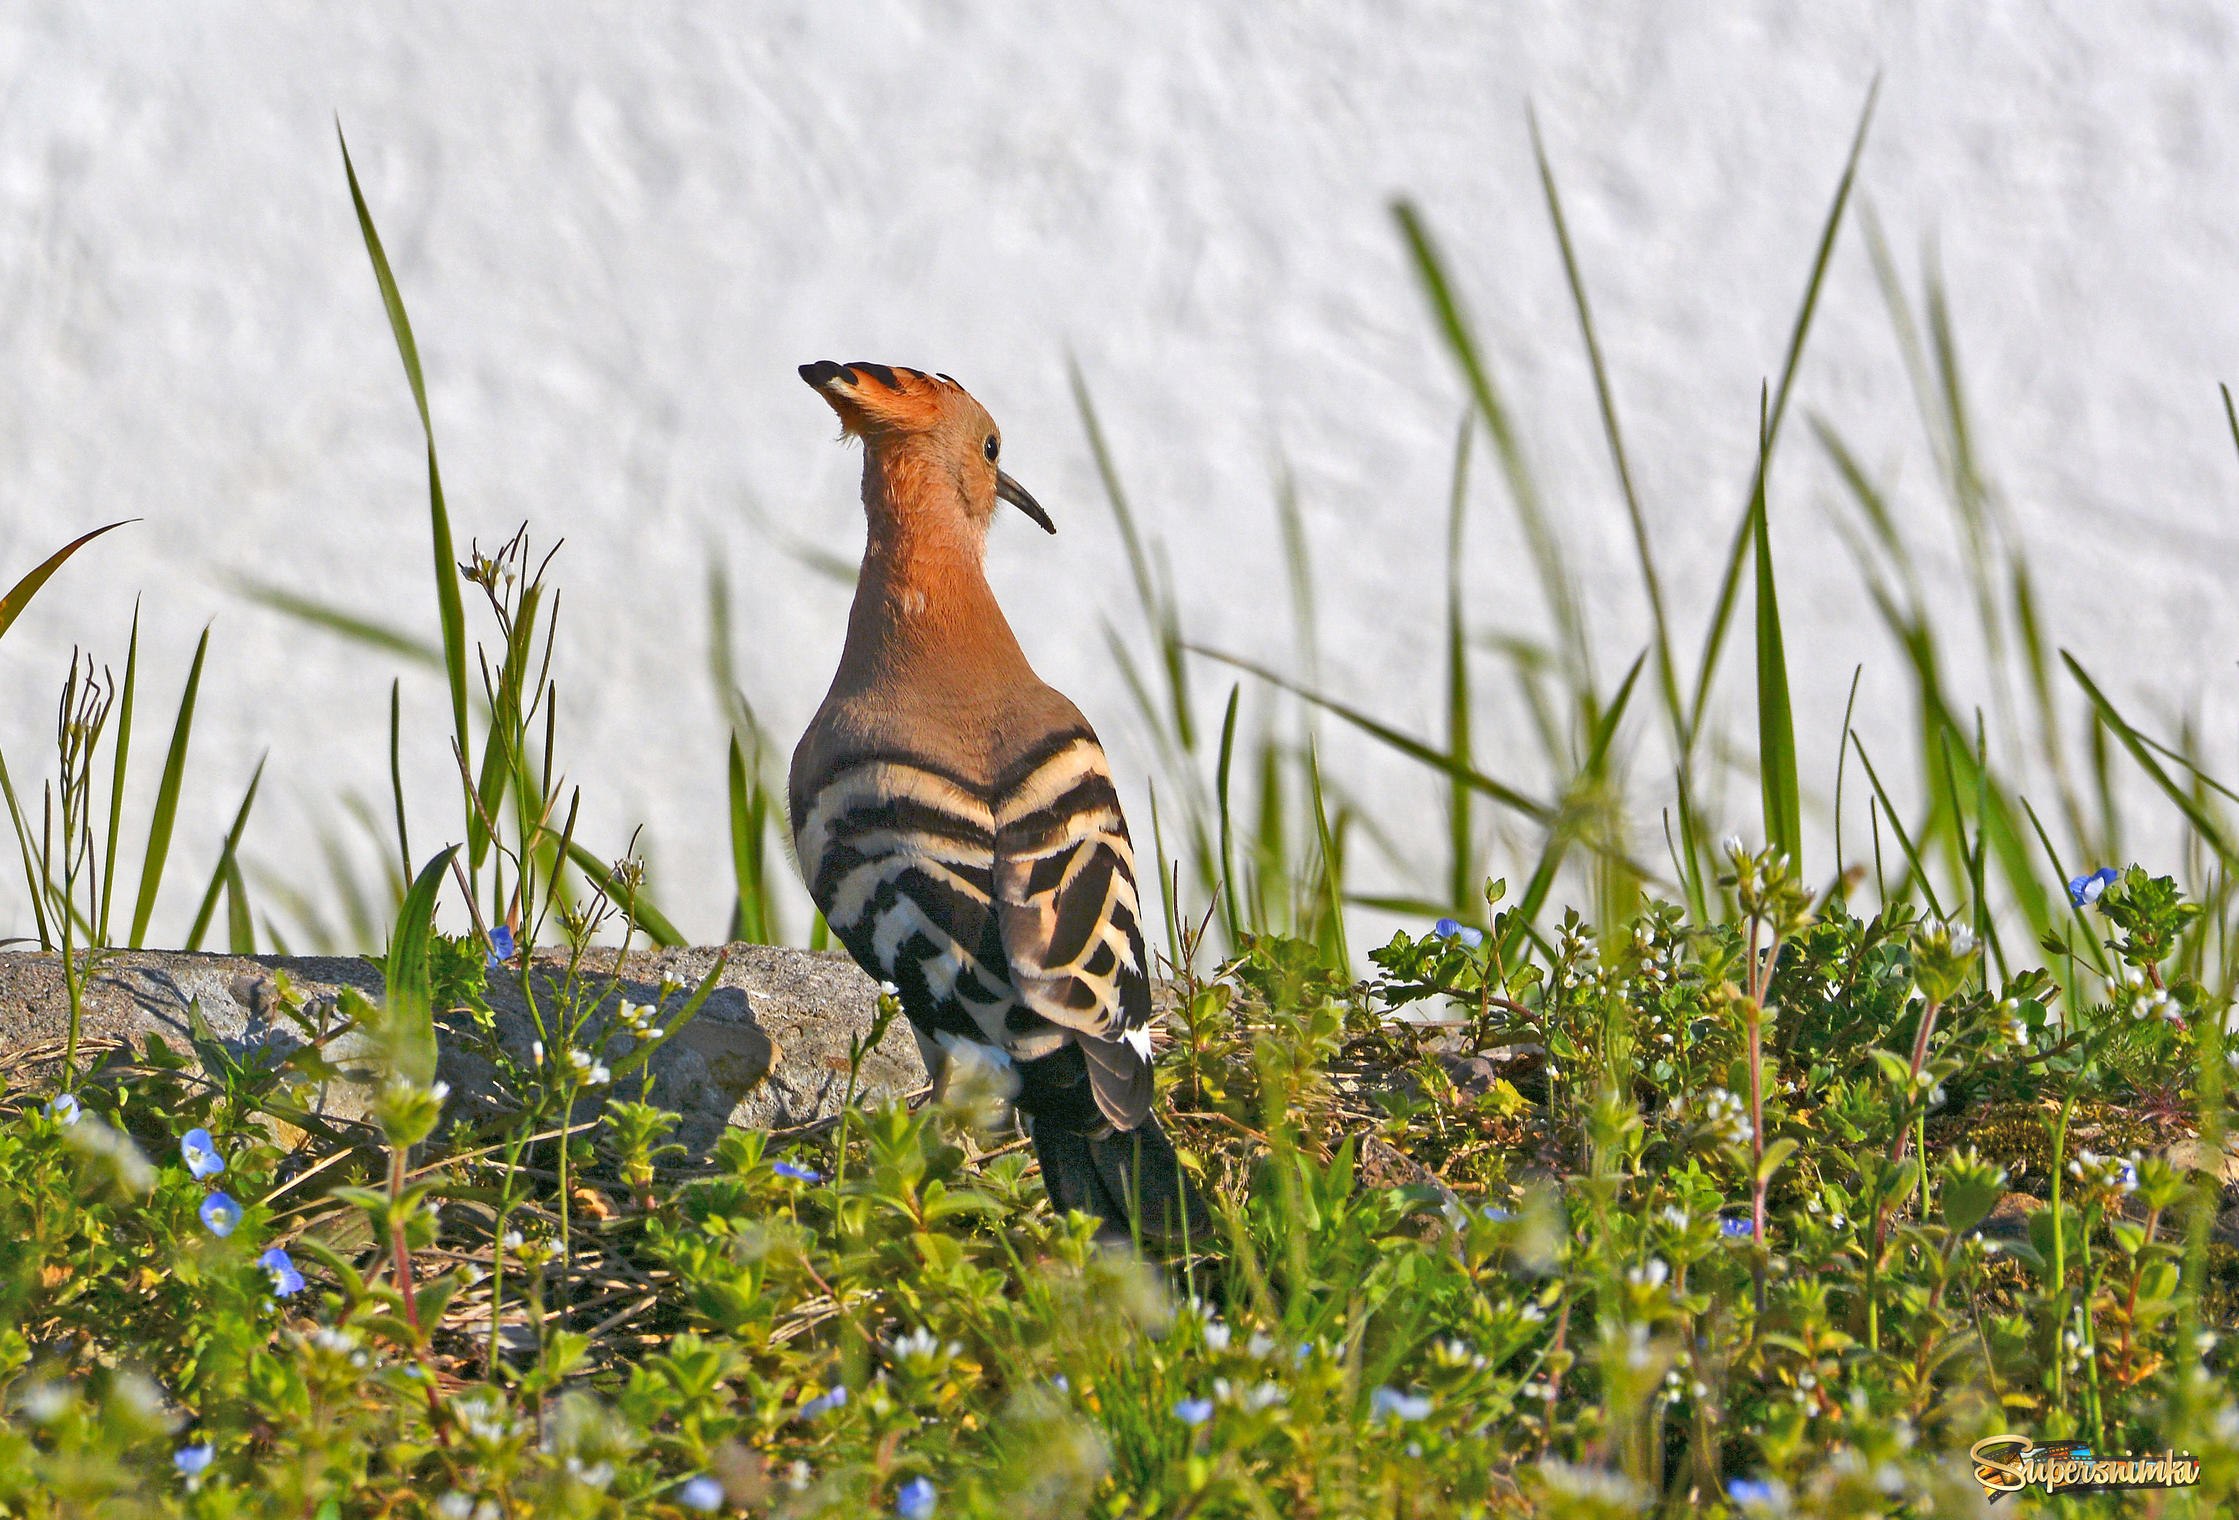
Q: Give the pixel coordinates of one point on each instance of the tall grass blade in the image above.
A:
(1415, 749)
(1332, 872)
(1158, 612)
(20, 594)
(1555, 583)
(450, 607)
(1460, 834)
(1229, 904)
(1776, 719)
(2089, 936)
(1918, 872)
(117, 773)
(349, 626)
(228, 862)
(2194, 813)
(408, 1009)
(30, 855)
(167, 799)
(752, 918)
(1667, 669)
(1722, 606)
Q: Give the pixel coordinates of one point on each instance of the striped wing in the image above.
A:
(900, 859)
(1069, 918)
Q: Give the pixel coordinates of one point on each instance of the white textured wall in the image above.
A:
(620, 227)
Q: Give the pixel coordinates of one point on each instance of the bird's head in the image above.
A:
(923, 434)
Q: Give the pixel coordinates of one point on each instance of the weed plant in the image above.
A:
(1767, 1187)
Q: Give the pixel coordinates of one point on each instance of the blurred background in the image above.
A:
(619, 228)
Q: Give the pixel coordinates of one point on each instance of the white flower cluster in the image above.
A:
(920, 1350)
(2094, 1171)
(1727, 1117)
(640, 1019)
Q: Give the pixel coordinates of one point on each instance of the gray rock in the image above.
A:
(768, 1049)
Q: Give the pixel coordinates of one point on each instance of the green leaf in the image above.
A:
(228, 867)
(1776, 719)
(20, 594)
(1723, 605)
(450, 609)
(1775, 1153)
(167, 799)
(408, 1012)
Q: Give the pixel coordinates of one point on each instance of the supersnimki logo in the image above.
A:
(2008, 1464)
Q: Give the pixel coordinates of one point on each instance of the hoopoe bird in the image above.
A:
(956, 821)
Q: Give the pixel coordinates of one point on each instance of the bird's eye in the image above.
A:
(991, 448)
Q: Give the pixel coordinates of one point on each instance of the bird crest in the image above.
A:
(884, 398)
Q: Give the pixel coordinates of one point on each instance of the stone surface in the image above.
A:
(769, 1048)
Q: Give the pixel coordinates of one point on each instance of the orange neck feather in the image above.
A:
(923, 599)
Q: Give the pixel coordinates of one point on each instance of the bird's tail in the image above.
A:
(1129, 1180)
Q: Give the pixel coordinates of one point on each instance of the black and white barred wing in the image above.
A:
(1071, 919)
(900, 859)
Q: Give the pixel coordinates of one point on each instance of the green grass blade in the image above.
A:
(30, 856)
(1413, 748)
(396, 779)
(1563, 831)
(2089, 936)
(348, 626)
(1919, 872)
(1170, 909)
(1842, 757)
(1158, 612)
(1228, 832)
(450, 608)
(228, 866)
(240, 929)
(1299, 565)
(1461, 834)
(1556, 586)
(1722, 605)
(117, 772)
(1776, 719)
(749, 817)
(167, 799)
(408, 1009)
(1667, 669)
(1332, 872)
(2194, 813)
(20, 594)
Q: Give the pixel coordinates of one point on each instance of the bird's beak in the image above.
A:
(1014, 493)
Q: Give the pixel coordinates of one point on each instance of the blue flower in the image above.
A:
(797, 1173)
(1447, 928)
(201, 1154)
(220, 1214)
(2086, 890)
(1193, 1411)
(1390, 1402)
(193, 1461)
(62, 1108)
(1756, 1493)
(1737, 1229)
(1499, 1216)
(916, 1499)
(501, 947)
(831, 1398)
(287, 1282)
(702, 1493)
